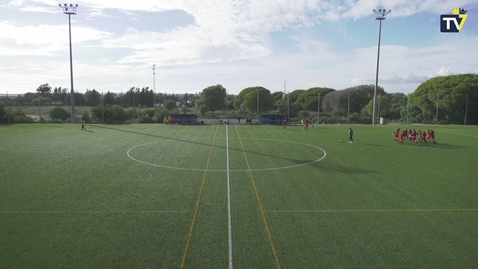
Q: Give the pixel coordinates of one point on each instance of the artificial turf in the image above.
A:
(155, 196)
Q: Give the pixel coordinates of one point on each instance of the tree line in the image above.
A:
(445, 100)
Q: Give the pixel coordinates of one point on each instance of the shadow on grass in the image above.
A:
(208, 145)
(446, 146)
(339, 168)
(367, 144)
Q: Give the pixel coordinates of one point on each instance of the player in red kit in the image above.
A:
(402, 135)
(395, 135)
(413, 135)
(432, 137)
(423, 137)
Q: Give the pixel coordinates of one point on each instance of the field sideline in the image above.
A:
(157, 196)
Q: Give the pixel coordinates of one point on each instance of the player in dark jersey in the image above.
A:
(351, 135)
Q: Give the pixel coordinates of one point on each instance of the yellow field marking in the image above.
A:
(260, 203)
(79, 212)
(183, 262)
(373, 210)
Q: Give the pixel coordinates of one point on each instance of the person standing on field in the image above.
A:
(351, 135)
(83, 125)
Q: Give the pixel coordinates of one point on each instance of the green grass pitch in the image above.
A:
(155, 196)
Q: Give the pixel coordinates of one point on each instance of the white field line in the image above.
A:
(229, 222)
(457, 133)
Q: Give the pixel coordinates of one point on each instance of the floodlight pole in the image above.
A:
(70, 10)
(380, 15)
(408, 106)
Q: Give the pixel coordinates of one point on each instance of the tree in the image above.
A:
(203, 109)
(79, 99)
(109, 98)
(3, 112)
(170, 105)
(292, 111)
(360, 96)
(398, 101)
(59, 113)
(239, 100)
(383, 110)
(266, 102)
(292, 97)
(92, 98)
(308, 99)
(214, 97)
(304, 114)
(277, 96)
(451, 92)
(44, 89)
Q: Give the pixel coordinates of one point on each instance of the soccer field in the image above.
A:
(156, 196)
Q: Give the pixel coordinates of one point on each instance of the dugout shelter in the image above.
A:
(183, 118)
(271, 119)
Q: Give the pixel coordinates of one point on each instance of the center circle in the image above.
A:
(128, 153)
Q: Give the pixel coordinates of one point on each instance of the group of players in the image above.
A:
(427, 137)
(303, 122)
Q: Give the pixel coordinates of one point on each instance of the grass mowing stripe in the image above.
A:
(374, 210)
(229, 221)
(183, 262)
(92, 212)
(276, 258)
(457, 133)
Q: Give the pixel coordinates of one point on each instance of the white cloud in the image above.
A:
(42, 39)
(444, 71)
(228, 43)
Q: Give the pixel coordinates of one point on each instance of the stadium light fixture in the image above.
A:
(70, 10)
(380, 15)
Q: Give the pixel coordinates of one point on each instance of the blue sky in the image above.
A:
(236, 43)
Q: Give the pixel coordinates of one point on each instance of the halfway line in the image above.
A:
(19, 212)
(276, 258)
(183, 262)
(373, 210)
(229, 222)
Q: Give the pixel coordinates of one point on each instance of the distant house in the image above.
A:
(56, 103)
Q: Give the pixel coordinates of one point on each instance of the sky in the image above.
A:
(282, 45)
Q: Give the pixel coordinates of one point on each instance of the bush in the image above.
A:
(59, 113)
(20, 117)
(86, 117)
(304, 114)
(145, 119)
